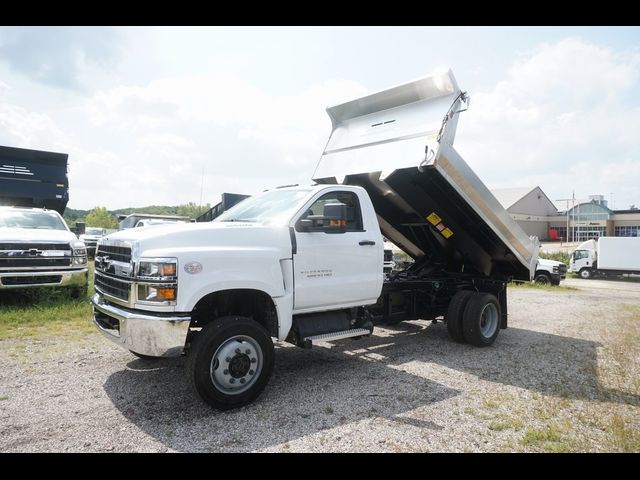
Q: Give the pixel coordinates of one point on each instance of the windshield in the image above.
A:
(578, 254)
(93, 231)
(274, 207)
(35, 219)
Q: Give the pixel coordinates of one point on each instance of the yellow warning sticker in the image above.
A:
(434, 219)
(446, 233)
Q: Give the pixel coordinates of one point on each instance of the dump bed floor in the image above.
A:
(426, 217)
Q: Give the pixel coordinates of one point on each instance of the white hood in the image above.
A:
(170, 239)
(36, 235)
(548, 263)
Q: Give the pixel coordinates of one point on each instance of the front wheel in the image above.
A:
(585, 273)
(542, 279)
(230, 362)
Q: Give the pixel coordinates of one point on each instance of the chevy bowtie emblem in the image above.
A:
(103, 262)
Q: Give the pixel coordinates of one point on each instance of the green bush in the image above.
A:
(563, 257)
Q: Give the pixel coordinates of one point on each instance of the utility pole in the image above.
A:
(201, 188)
(567, 213)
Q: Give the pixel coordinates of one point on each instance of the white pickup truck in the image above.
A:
(37, 249)
(303, 264)
(550, 272)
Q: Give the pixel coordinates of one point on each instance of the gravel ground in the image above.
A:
(563, 377)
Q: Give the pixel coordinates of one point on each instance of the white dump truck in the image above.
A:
(302, 264)
(607, 256)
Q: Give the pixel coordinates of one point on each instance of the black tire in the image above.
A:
(542, 279)
(454, 315)
(249, 351)
(144, 357)
(481, 319)
(586, 273)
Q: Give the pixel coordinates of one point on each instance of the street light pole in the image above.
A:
(567, 214)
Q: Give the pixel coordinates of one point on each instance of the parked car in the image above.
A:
(90, 238)
(147, 222)
(37, 249)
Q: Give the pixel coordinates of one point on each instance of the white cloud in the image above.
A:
(561, 119)
(135, 145)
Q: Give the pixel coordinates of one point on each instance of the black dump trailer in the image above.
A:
(228, 201)
(33, 178)
(398, 145)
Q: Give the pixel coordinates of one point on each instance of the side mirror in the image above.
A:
(335, 218)
(305, 225)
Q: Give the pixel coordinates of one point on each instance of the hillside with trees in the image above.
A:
(99, 216)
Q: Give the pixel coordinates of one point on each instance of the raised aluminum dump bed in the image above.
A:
(398, 145)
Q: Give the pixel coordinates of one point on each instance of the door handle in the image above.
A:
(366, 242)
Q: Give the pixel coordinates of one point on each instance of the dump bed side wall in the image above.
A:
(33, 178)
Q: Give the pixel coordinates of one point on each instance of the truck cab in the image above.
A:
(550, 272)
(584, 259)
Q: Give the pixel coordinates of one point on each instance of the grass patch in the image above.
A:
(538, 286)
(45, 311)
(548, 439)
(623, 438)
(504, 423)
(563, 257)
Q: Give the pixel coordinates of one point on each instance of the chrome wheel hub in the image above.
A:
(236, 365)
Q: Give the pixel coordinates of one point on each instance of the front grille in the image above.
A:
(37, 246)
(31, 280)
(562, 268)
(119, 254)
(16, 262)
(33, 255)
(112, 286)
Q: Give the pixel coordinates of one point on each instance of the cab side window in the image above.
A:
(350, 199)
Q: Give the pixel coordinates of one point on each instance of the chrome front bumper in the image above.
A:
(68, 278)
(144, 333)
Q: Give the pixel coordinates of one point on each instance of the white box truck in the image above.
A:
(302, 264)
(607, 256)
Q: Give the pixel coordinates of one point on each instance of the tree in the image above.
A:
(100, 217)
(192, 210)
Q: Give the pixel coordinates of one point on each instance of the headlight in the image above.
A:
(158, 269)
(79, 253)
(157, 293)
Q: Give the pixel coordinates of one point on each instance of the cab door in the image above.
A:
(337, 270)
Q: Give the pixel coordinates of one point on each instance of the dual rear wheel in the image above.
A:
(474, 318)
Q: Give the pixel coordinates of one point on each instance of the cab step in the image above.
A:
(328, 337)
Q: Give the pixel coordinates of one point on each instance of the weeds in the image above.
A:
(45, 311)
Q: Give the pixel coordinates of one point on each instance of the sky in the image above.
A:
(167, 116)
